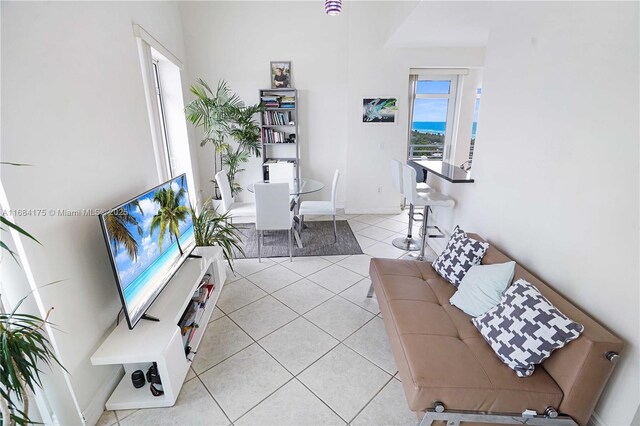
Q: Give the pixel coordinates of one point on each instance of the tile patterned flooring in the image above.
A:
(295, 343)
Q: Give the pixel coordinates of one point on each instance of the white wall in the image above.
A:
(378, 71)
(233, 41)
(556, 164)
(73, 105)
(336, 61)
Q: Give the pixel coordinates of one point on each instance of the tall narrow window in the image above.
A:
(432, 121)
(162, 119)
(475, 123)
(165, 106)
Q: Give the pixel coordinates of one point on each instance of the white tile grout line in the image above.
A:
(295, 376)
(214, 400)
(306, 368)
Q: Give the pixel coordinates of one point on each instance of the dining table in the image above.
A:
(297, 188)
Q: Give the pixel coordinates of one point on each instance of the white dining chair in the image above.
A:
(322, 208)
(273, 212)
(228, 204)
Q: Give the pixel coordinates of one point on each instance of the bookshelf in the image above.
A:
(279, 129)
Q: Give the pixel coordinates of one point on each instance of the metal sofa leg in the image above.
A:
(370, 292)
(454, 418)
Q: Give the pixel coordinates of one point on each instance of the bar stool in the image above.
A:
(426, 200)
(409, 243)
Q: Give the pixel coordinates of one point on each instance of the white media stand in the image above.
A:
(162, 342)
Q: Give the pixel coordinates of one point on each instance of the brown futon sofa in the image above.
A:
(451, 373)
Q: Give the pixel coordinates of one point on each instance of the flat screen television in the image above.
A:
(148, 238)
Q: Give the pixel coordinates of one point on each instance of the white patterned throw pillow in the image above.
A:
(459, 256)
(525, 328)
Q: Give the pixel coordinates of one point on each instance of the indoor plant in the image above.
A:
(211, 228)
(23, 345)
(224, 117)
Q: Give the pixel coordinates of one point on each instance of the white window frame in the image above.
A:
(162, 79)
(164, 138)
(455, 76)
(145, 44)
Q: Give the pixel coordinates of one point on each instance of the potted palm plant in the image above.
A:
(224, 118)
(24, 347)
(211, 228)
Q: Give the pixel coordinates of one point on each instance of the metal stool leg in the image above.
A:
(409, 243)
(370, 293)
(425, 233)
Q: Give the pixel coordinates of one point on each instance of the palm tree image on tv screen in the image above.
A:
(149, 237)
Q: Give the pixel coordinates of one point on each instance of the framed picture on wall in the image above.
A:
(379, 110)
(280, 74)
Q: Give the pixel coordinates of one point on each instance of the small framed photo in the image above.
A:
(379, 110)
(280, 74)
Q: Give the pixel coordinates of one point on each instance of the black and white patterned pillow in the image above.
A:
(525, 328)
(459, 256)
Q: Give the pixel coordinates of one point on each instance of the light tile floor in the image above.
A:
(295, 343)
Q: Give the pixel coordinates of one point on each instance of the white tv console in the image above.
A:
(161, 342)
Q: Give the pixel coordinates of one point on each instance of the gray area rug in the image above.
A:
(317, 240)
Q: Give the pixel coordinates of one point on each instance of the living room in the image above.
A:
(557, 130)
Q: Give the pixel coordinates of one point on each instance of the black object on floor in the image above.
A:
(317, 240)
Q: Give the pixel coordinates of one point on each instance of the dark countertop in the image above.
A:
(444, 170)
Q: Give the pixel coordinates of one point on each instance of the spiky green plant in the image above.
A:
(211, 228)
(23, 345)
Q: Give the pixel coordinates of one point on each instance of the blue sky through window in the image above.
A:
(433, 87)
(433, 110)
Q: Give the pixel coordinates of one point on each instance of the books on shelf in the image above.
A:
(275, 101)
(287, 102)
(271, 118)
(275, 136)
(187, 320)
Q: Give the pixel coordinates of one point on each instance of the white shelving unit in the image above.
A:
(283, 122)
(161, 342)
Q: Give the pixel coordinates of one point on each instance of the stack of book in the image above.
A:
(288, 102)
(189, 321)
(276, 117)
(273, 136)
(270, 101)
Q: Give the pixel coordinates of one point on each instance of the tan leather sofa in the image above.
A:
(442, 357)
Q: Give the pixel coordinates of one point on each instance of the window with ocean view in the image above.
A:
(475, 123)
(432, 119)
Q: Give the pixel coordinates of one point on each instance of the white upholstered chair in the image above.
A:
(228, 204)
(322, 208)
(273, 211)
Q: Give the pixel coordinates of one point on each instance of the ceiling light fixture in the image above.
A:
(332, 7)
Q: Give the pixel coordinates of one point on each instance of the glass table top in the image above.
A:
(305, 186)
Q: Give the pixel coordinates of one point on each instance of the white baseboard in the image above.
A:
(96, 407)
(379, 210)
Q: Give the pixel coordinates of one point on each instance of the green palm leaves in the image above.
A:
(170, 214)
(211, 228)
(23, 347)
(213, 111)
(116, 223)
(222, 115)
